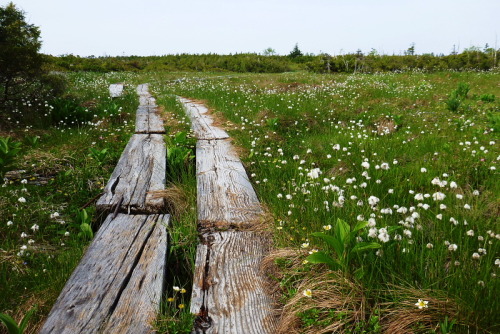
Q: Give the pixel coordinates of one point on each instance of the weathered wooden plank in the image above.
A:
(145, 98)
(126, 249)
(116, 90)
(140, 300)
(228, 291)
(147, 118)
(142, 119)
(201, 122)
(140, 172)
(225, 196)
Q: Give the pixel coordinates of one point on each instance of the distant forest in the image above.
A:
(470, 59)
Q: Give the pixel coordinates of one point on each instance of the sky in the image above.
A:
(159, 27)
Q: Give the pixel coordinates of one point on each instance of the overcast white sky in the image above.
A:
(158, 27)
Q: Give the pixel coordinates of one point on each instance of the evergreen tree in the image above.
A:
(20, 62)
(295, 53)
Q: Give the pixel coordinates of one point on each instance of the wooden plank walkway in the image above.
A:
(201, 122)
(118, 285)
(225, 196)
(140, 173)
(147, 118)
(229, 294)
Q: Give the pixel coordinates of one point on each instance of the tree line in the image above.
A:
(469, 59)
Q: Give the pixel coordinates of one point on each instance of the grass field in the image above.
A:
(383, 190)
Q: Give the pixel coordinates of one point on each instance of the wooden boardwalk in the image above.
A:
(118, 285)
(229, 293)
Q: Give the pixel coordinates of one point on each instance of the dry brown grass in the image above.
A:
(386, 126)
(403, 316)
(176, 200)
(342, 303)
(332, 293)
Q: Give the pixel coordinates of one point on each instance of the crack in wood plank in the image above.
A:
(103, 293)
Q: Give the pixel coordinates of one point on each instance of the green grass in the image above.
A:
(318, 148)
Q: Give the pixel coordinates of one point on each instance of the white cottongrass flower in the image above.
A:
(21, 200)
(429, 245)
(383, 235)
(476, 256)
(384, 166)
(10, 223)
(453, 184)
(423, 170)
(365, 164)
(372, 232)
(438, 196)
(35, 227)
(452, 247)
(470, 233)
(54, 215)
(466, 206)
(419, 197)
(24, 235)
(372, 200)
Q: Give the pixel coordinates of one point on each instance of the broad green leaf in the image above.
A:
(363, 246)
(87, 230)
(342, 230)
(333, 242)
(359, 226)
(320, 257)
(10, 323)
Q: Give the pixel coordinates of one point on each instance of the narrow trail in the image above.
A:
(229, 294)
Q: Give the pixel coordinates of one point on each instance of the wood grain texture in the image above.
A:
(147, 118)
(124, 267)
(140, 172)
(228, 291)
(201, 122)
(225, 196)
(116, 90)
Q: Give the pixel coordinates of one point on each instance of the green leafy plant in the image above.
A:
(487, 98)
(84, 221)
(462, 90)
(453, 102)
(99, 155)
(272, 123)
(8, 152)
(11, 324)
(343, 242)
(446, 326)
(31, 141)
